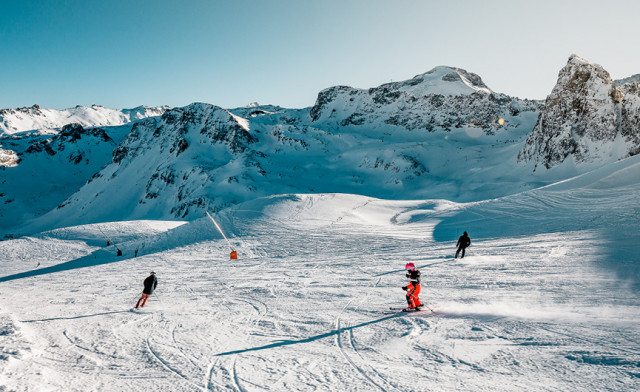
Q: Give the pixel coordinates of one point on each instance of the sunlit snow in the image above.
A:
(547, 298)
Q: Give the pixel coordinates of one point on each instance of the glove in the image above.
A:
(404, 288)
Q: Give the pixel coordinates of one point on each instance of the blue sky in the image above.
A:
(122, 54)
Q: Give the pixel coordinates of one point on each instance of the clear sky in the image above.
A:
(122, 54)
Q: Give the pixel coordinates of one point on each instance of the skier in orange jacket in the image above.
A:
(413, 288)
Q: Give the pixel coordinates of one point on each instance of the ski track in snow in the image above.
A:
(304, 306)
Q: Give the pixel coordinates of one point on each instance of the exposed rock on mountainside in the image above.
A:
(444, 98)
(8, 158)
(69, 136)
(587, 118)
(164, 166)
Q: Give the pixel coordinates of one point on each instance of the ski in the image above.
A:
(393, 310)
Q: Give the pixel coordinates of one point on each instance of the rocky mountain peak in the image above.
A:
(586, 118)
(582, 75)
(179, 128)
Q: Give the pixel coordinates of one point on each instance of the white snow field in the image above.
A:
(545, 300)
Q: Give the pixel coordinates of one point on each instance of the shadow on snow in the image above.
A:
(98, 257)
(74, 317)
(309, 339)
(539, 212)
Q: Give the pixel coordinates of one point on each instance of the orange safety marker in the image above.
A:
(234, 255)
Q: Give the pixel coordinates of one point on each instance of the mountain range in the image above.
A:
(443, 134)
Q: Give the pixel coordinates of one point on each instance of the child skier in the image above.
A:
(413, 289)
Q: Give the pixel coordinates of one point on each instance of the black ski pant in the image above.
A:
(460, 248)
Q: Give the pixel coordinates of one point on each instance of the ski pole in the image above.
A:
(157, 296)
(137, 297)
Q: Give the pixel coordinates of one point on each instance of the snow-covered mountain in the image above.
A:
(45, 156)
(34, 118)
(165, 166)
(631, 79)
(47, 170)
(588, 119)
(324, 207)
(442, 134)
(204, 157)
(444, 98)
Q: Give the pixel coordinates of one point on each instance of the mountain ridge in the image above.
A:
(442, 134)
(34, 118)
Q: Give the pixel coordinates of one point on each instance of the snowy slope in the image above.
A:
(34, 118)
(546, 298)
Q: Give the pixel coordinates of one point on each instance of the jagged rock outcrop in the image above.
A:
(75, 139)
(8, 158)
(587, 118)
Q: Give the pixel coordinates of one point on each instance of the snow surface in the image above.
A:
(546, 299)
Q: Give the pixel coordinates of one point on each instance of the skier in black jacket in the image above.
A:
(463, 242)
(150, 284)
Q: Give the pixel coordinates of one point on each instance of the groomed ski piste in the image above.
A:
(545, 300)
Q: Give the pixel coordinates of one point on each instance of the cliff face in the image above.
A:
(587, 118)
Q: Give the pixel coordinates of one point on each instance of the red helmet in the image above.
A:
(410, 266)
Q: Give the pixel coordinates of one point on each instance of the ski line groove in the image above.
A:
(167, 366)
(235, 378)
(353, 346)
(349, 360)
